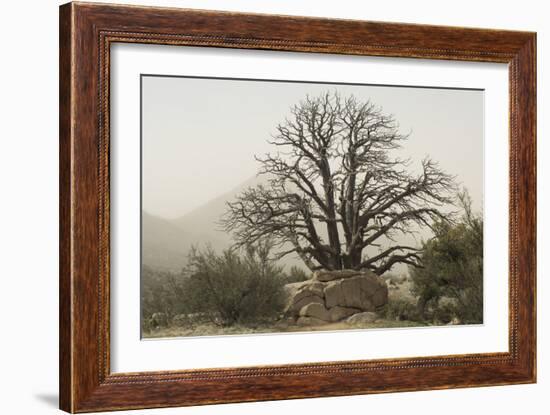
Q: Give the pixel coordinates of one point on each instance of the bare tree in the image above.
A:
(333, 189)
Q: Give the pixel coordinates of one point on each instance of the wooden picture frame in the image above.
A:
(86, 33)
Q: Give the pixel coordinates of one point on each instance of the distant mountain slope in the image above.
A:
(166, 242)
(202, 222)
(164, 245)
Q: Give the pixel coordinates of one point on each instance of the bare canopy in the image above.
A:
(333, 189)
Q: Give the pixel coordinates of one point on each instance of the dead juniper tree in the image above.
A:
(333, 189)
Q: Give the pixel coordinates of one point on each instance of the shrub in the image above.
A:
(400, 309)
(161, 297)
(453, 268)
(231, 289)
(444, 311)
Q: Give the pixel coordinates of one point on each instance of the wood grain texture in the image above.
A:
(86, 33)
(65, 246)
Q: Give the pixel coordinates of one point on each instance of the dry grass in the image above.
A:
(399, 292)
(282, 326)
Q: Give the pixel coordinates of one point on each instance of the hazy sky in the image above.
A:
(200, 135)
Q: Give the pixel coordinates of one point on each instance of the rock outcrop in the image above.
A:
(332, 296)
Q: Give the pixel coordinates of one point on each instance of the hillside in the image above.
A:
(201, 224)
(164, 246)
(166, 242)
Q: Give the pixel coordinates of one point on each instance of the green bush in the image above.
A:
(400, 309)
(161, 297)
(233, 289)
(453, 269)
(444, 311)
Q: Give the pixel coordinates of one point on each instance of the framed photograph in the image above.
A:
(258, 207)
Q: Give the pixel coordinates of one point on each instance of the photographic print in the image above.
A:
(272, 206)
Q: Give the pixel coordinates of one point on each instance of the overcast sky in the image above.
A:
(200, 135)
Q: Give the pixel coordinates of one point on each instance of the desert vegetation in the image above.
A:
(449, 285)
(336, 196)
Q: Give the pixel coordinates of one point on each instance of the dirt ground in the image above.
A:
(277, 327)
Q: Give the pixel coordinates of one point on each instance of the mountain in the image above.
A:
(166, 242)
(202, 222)
(164, 245)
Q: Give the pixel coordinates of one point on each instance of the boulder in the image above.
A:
(316, 310)
(325, 276)
(293, 287)
(307, 293)
(335, 295)
(380, 297)
(339, 313)
(320, 312)
(362, 318)
(365, 292)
